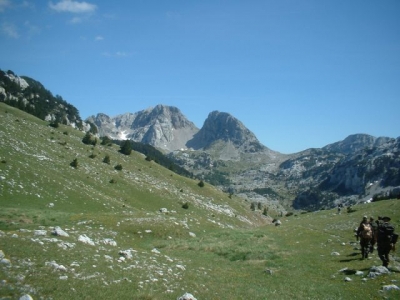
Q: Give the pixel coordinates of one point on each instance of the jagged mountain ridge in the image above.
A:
(165, 127)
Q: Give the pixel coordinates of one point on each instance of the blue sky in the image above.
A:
(298, 74)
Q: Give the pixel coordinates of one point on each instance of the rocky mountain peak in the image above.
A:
(221, 126)
(162, 114)
(162, 126)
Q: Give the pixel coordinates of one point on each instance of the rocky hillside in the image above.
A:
(31, 96)
(353, 170)
(37, 163)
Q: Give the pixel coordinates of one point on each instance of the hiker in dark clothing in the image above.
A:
(386, 239)
(364, 232)
(374, 226)
(339, 208)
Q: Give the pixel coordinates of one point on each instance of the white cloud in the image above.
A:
(4, 4)
(10, 30)
(98, 38)
(72, 6)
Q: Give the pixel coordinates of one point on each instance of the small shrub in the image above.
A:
(65, 133)
(113, 181)
(201, 183)
(118, 167)
(350, 209)
(107, 159)
(54, 124)
(89, 139)
(92, 155)
(289, 214)
(185, 205)
(74, 163)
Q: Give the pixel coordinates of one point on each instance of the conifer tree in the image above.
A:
(126, 147)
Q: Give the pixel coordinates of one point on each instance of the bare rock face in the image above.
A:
(220, 126)
(164, 127)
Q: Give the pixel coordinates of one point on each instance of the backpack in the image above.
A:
(366, 232)
(386, 231)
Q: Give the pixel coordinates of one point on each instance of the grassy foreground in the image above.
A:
(216, 249)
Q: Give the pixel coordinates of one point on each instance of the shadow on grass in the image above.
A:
(348, 260)
(354, 254)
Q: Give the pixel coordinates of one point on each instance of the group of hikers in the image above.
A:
(379, 232)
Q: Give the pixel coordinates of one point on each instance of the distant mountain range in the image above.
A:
(224, 152)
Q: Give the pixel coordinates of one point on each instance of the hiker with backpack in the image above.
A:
(365, 234)
(386, 239)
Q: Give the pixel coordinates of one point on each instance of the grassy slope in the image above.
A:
(226, 260)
